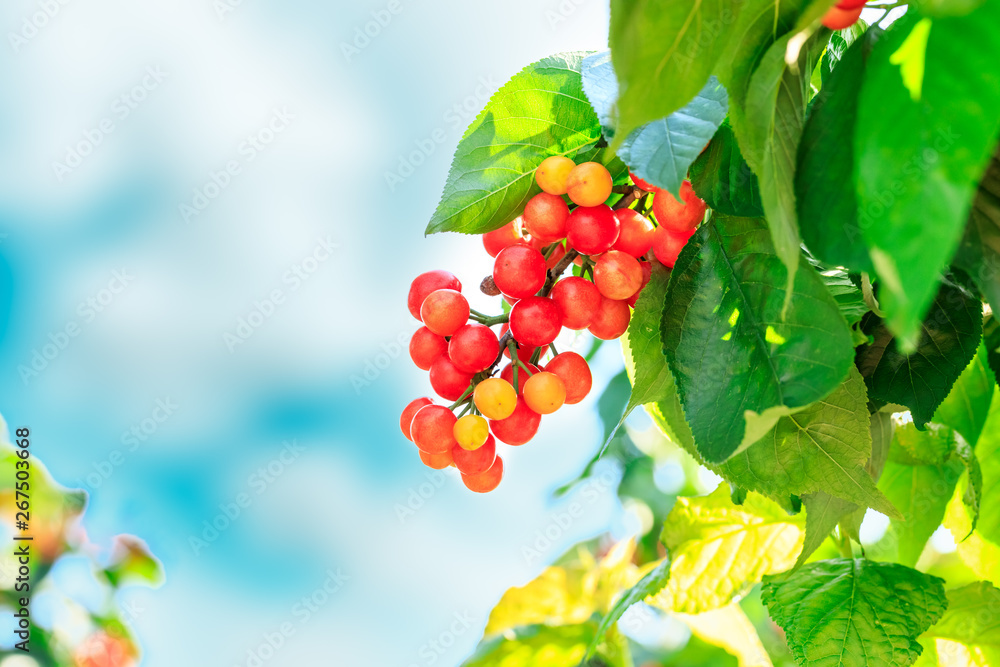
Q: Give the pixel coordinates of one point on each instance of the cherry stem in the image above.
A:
(488, 320)
(465, 410)
(512, 347)
(464, 397)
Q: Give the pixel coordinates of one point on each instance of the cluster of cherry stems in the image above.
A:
(569, 222)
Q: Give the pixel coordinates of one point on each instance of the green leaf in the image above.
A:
(840, 41)
(723, 178)
(854, 613)
(729, 348)
(969, 633)
(849, 297)
(919, 480)
(538, 646)
(991, 337)
(660, 151)
(651, 381)
(721, 550)
(650, 584)
(967, 406)
(540, 112)
(927, 124)
(776, 107)
(824, 180)
(665, 50)
(729, 628)
(979, 252)
(823, 513)
(822, 448)
(988, 452)
(568, 593)
(948, 340)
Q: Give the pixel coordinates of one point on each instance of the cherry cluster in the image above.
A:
(611, 249)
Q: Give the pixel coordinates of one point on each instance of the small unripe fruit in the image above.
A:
(611, 319)
(617, 275)
(411, 409)
(553, 173)
(592, 230)
(589, 184)
(444, 311)
(487, 481)
(473, 348)
(432, 429)
(575, 373)
(544, 393)
(679, 216)
(447, 380)
(579, 299)
(545, 217)
(477, 461)
(426, 283)
(495, 398)
(471, 431)
(535, 321)
(519, 271)
(425, 347)
(519, 428)
(635, 235)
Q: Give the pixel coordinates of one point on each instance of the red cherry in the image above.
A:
(617, 275)
(678, 216)
(476, 461)
(545, 217)
(432, 429)
(508, 235)
(473, 348)
(838, 18)
(641, 184)
(522, 375)
(636, 234)
(444, 311)
(524, 352)
(579, 299)
(667, 245)
(535, 321)
(647, 274)
(411, 409)
(519, 271)
(426, 283)
(436, 461)
(447, 380)
(592, 230)
(851, 4)
(425, 347)
(611, 319)
(487, 481)
(575, 374)
(519, 428)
